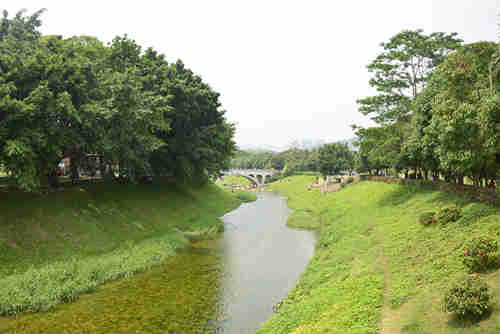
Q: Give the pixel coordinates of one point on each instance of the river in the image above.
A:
(227, 285)
(264, 260)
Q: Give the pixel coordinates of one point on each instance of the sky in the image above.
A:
(286, 70)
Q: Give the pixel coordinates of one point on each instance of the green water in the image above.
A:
(228, 285)
(178, 297)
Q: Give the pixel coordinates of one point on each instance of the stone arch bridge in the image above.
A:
(258, 177)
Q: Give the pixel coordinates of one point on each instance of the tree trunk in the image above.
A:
(52, 178)
(75, 176)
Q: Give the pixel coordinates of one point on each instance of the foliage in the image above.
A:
(468, 298)
(448, 214)
(402, 70)
(437, 109)
(381, 147)
(334, 158)
(479, 253)
(465, 113)
(427, 218)
(295, 158)
(128, 107)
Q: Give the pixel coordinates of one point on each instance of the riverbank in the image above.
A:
(54, 247)
(375, 268)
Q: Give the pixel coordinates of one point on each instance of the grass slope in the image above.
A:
(234, 183)
(375, 269)
(54, 247)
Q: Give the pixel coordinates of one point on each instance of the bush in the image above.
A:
(468, 298)
(427, 218)
(349, 180)
(448, 214)
(480, 254)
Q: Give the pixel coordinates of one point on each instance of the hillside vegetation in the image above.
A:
(376, 269)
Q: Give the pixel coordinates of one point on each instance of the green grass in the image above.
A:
(234, 184)
(54, 247)
(234, 180)
(375, 268)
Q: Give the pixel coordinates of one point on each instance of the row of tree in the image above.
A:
(130, 108)
(329, 159)
(437, 107)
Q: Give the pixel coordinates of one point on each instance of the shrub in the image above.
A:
(349, 180)
(468, 298)
(448, 214)
(479, 253)
(427, 218)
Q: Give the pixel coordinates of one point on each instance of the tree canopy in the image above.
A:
(448, 120)
(75, 97)
(401, 71)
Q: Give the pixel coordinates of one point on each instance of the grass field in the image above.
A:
(376, 269)
(54, 247)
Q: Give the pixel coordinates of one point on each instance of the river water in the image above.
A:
(263, 261)
(228, 285)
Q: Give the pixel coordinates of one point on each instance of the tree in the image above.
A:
(334, 158)
(380, 147)
(132, 115)
(78, 98)
(200, 140)
(401, 71)
(466, 113)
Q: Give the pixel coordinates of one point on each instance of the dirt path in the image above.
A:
(386, 314)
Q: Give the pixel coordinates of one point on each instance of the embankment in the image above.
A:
(375, 268)
(54, 247)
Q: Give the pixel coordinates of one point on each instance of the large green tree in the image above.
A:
(400, 74)
(466, 112)
(401, 71)
(77, 98)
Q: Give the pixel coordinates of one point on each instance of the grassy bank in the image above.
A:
(238, 185)
(54, 247)
(376, 269)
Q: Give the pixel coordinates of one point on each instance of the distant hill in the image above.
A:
(305, 144)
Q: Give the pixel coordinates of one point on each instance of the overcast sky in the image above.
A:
(286, 70)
